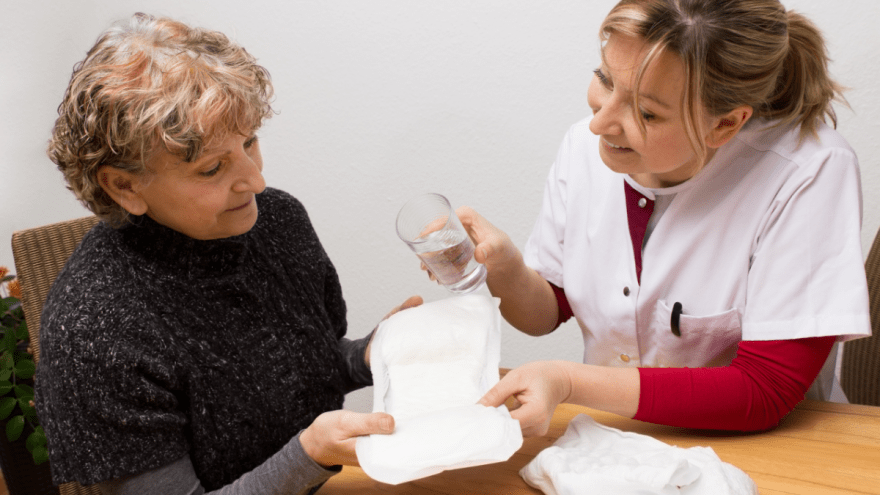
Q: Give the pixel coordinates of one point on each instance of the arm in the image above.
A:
(762, 384)
(306, 461)
(358, 370)
(288, 471)
(527, 300)
(355, 353)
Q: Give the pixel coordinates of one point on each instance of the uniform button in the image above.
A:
(626, 291)
(624, 358)
(642, 202)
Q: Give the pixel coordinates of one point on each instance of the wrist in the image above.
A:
(511, 267)
(306, 439)
(565, 380)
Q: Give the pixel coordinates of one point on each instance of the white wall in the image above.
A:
(379, 100)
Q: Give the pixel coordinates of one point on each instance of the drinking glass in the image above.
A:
(430, 227)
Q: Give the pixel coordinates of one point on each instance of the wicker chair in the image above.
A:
(39, 255)
(860, 370)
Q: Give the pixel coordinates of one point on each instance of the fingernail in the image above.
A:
(387, 424)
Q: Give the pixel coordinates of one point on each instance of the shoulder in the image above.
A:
(97, 295)
(284, 225)
(811, 152)
(279, 209)
(272, 198)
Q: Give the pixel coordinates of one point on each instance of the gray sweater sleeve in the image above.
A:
(353, 352)
(289, 471)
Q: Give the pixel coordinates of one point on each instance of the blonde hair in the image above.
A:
(735, 52)
(148, 83)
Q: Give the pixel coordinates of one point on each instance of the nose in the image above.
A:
(607, 115)
(250, 170)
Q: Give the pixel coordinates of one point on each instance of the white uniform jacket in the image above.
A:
(762, 244)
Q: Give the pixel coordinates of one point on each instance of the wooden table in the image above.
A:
(820, 448)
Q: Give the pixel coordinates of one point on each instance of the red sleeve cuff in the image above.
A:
(564, 309)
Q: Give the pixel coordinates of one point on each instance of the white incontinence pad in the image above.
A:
(594, 459)
(430, 365)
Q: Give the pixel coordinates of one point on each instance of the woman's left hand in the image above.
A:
(412, 302)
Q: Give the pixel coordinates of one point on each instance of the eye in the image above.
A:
(602, 79)
(648, 116)
(212, 172)
(250, 142)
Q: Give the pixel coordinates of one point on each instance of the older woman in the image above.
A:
(194, 341)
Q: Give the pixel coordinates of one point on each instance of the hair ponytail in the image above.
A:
(804, 90)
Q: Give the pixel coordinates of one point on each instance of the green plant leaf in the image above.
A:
(29, 411)
(6, 361)
(24, 391)
(41, 455)
(34, 440)
(14, 428)
(7, 404)
(5, 385)
(5, 304)
(21, 331)
(25, 369)
(5, 375)
(9, 343)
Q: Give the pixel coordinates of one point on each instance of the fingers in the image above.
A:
(472, 222)
(530, 411)
(533, 420)
(411, 302)
(482, 252)
(492, 245)
(467, 215)
(532, 394)
(332, 437)
(498, 394)
(359, 424)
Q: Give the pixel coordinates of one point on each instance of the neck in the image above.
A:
(674, 178)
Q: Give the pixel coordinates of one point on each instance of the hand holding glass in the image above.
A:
(430, 227)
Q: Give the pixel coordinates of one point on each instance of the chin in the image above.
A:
(614, 163)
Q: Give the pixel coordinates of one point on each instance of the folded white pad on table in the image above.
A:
(430, 365)
(594, 459)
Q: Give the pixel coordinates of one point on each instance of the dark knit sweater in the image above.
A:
(155, 345)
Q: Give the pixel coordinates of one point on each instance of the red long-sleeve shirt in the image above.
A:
(761, 385)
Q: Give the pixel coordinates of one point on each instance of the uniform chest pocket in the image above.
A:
(709, 340)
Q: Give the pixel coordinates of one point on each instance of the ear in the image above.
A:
(726, 126)
(122, 186)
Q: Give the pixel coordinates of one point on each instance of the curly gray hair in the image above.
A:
(147, 83)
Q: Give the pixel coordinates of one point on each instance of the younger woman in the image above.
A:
(703, 226)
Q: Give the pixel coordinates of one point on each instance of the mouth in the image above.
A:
(613, 147)
(241, 207)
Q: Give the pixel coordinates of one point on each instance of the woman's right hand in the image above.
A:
(330, 439)
(527, 300)
(493, 247)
